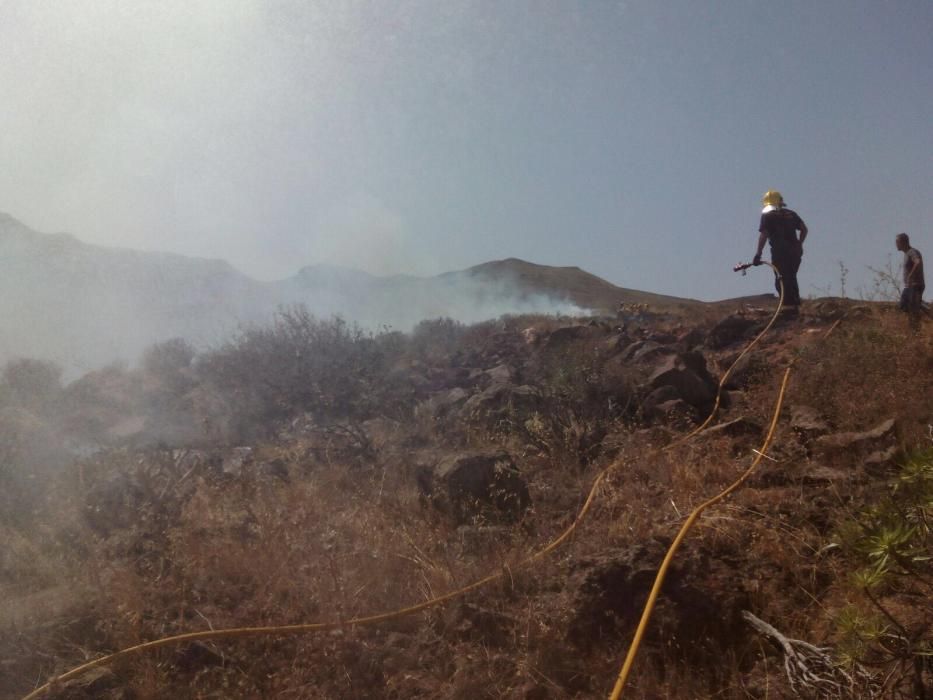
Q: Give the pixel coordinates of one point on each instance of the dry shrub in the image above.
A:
(329, 369)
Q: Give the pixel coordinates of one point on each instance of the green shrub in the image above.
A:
(890, 545)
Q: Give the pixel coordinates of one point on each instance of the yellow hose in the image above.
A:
(688, 524)
(669, 557)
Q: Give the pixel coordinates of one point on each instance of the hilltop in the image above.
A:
(307, 471)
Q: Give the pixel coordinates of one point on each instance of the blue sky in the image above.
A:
(632, 139)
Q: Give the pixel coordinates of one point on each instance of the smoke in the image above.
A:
(84, 306)
(401, 302)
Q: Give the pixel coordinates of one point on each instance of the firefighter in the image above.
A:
(786, 232)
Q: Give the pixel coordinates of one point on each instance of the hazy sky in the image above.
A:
(633, 139)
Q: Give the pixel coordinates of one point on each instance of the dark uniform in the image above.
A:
(780, 226)
(914, 285)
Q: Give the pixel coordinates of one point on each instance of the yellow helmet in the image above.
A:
(772, 198)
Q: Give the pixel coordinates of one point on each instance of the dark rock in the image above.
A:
(685, 372)
(696, 361)
(698, 611)
(276, 468)
(662, 338)
(196, 656)
(639, 346)
(651, 350)
(563, 336)
(692, 338)
(442, 403)
(476, 487)
(617, 343)
(611, 592)
(732, 329)
(500, 374)
(658, 396)
(500, 399)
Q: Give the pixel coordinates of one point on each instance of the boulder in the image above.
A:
(639, 346)
(732, 329)
(652, 351)
(698, 610)
(658, 396)
(497, 400)
(500, 374)
(692, 338)
(443, 402)
(686, 373)
(480, 486)
(567, 334)
(662, 337)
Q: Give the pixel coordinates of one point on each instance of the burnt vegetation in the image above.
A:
(311, 470)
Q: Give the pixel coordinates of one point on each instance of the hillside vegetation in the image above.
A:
(310, 471)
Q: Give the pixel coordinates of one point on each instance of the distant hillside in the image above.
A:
(84, 305)
(573, 284)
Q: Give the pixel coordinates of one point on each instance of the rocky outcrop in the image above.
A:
(699, 608)
(499, 400)
(482, 486)
(686, 374)
(442, 403)
(732, 329)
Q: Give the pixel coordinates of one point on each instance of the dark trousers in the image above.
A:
(911, 302)
(787, 260)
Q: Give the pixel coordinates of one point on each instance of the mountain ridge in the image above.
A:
(83, 305)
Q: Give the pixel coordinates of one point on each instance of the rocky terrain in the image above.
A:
(309, 471)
